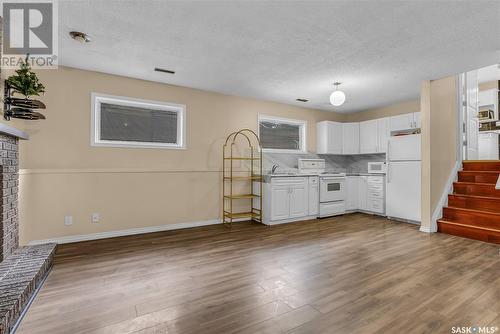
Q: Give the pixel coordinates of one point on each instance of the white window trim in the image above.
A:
(302, 136)
(95, 126)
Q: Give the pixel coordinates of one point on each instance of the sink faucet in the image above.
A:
(275, 167)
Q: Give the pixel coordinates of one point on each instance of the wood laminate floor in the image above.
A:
(350, 274)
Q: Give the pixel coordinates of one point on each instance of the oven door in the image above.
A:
(332, 189)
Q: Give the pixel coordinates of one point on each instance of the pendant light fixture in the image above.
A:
(337, 98)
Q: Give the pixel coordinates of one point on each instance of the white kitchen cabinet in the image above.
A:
(362, 191)
(352, 196)
(299, 203)
(375, 196)
(417, 123)
(383, 134)
(368, 136)
(401, 122)
(280, 202)
(350, 138)
(289, 199)
(405, 122)
(313, 195)
(329, 137)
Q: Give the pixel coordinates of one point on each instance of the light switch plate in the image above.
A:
(95, 217)
(68, 220)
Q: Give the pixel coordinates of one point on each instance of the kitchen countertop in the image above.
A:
(268, 177)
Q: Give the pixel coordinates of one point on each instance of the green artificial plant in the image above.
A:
(25, 81)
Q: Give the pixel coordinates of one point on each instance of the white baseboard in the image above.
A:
(132, 231)
(426, 229)
(443, 200)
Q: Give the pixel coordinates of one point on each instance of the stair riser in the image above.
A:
(472, 218)
(482, 204)
(478, 178)
(471, 233)
(476, 189)
(482, 165)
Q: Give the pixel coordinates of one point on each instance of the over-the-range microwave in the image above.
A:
(376, 167)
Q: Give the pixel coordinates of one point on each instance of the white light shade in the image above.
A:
(337, 98)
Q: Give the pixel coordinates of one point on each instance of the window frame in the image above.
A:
(302, 133)
(95, 129)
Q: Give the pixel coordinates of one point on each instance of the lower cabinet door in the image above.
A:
(280, 202)
(352, 198)
(362, 193)
(299, 204)
(313, 196)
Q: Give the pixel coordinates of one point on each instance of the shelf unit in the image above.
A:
(254, 177)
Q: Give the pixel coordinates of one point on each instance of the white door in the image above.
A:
(368, 136)
(383, 133)
(401, 122)
(471, 110)
(299, 204)
(403, 190)
(362, 192)
(350, 138)
(352, 193)
(280, 202)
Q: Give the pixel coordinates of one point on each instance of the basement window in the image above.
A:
(126, 122)
(282, 135)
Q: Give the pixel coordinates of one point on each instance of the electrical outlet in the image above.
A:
(95, 217)
(68, 220)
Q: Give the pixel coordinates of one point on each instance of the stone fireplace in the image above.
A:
(9, 229)
(22, 269)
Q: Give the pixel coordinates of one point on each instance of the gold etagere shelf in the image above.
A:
(232, 176)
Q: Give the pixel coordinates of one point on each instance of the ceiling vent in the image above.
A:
(157, 69)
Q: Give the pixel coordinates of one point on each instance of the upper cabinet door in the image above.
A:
(383, 134)
(416, 120)
(335, 139)
(350, 138)
(329, 137)
(368, 136)
(401, 122)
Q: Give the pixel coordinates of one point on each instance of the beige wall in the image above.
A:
(439, 142)
(61, 174)
(391, 110)
(488, 85)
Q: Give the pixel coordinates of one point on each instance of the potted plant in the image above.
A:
(25, 81)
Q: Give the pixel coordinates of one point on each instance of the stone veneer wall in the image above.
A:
(9, 227)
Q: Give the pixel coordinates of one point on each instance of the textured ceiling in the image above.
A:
(280, 51)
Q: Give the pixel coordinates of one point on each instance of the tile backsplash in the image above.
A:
(334, 163)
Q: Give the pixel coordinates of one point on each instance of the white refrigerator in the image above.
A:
(403, 179)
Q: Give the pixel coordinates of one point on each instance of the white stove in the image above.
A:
(332, 192)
